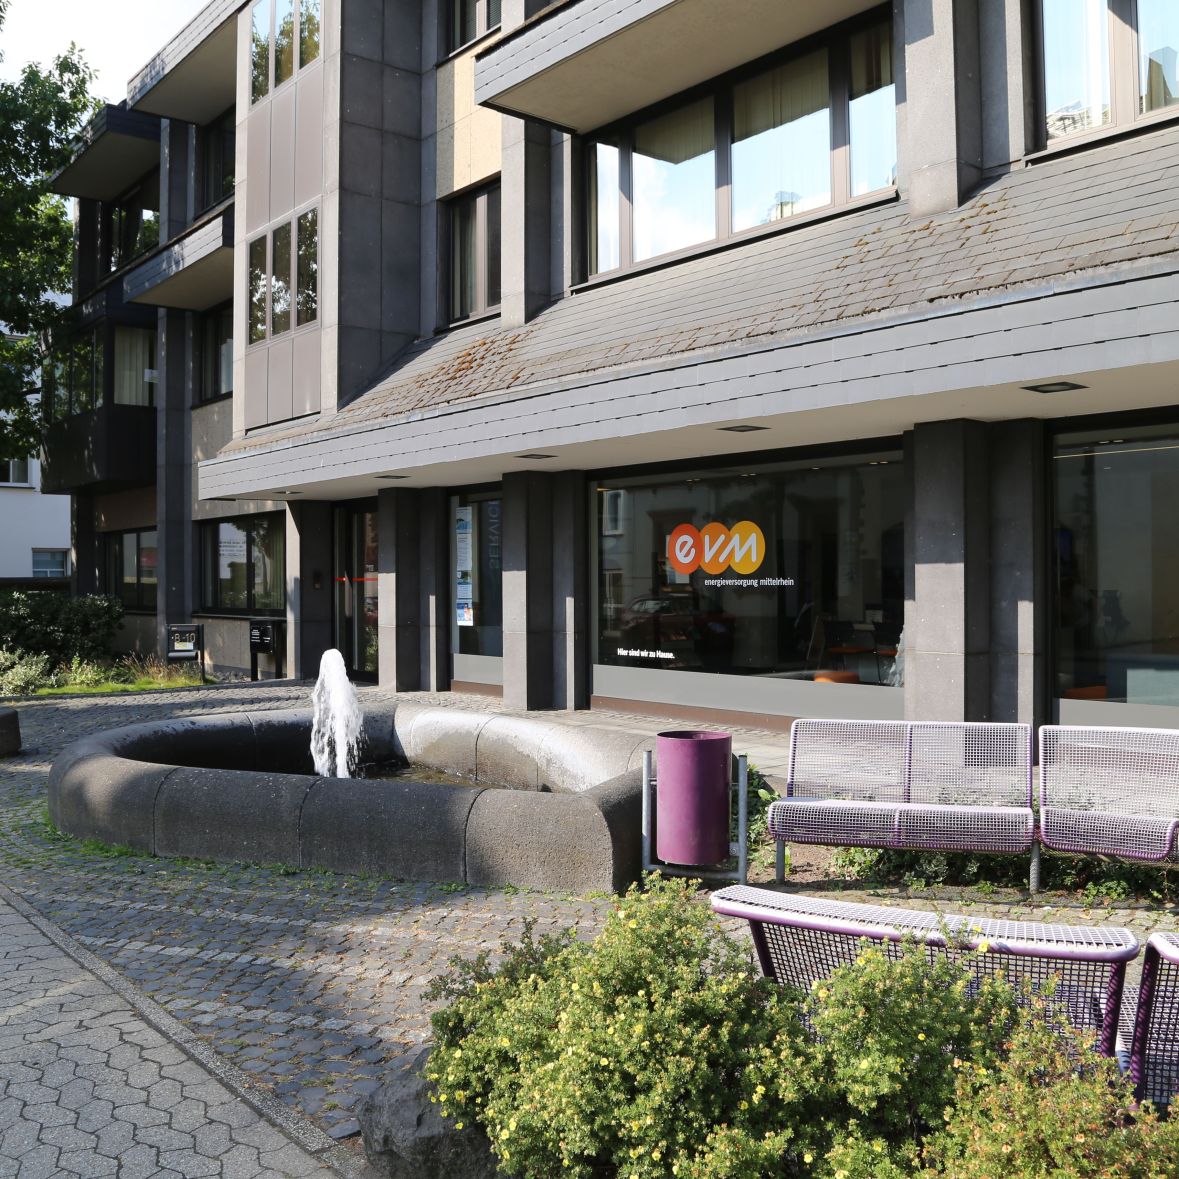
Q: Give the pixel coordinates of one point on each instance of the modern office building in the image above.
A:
(756, 360)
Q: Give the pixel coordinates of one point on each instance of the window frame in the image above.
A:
(213, 315)
(65, 565)
(1124, 83)
(209, 581)
(59, 400)
(111, 253)
(481, 308)
(266, 236)
(212, 138)
(836, 40)
(114, 543)
(297, 45)
(6, 479)
(483, 25)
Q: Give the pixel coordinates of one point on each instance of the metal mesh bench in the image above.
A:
(800, 940)
(1109, 791)
(1154, 1033)
(923, 786)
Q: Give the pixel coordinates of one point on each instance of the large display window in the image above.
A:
(1116, 538)
(789, 569)
(477, 600)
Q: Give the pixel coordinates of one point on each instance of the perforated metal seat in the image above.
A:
(927, 785)
(800, 940)
(1109, 791)
(1154, 1031)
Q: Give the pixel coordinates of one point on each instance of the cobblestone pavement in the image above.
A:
(87, 1088)
(311, 983)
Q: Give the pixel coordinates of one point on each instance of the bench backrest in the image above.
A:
(801, 940)
(1154, 1051)
(1116, 770)
(931, 763)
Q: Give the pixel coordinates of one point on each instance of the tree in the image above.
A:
(41, 113)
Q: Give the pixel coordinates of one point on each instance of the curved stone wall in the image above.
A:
(242, 787)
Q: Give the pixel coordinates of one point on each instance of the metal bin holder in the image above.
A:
(268, 636)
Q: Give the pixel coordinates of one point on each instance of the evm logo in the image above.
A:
(715, 548)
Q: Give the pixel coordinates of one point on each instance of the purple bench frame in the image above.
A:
(800, 940)
(1154, 1045)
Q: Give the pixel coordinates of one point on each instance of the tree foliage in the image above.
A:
(42, 113)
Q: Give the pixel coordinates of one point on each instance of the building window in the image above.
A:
(217, 354)
(51, 562)
(761, 146)
(131, 563)
(218, 155)
(284, 262)
(136, 375)
(792, 569)
(1107, 62)
(244, 564)
(131, 225)
(474, 253)
(477, 556)
(470, 19)
(14, 471)
(1117, 594)
(74, 380)
(285, 35)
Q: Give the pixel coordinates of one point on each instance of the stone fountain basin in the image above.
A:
(241, 787)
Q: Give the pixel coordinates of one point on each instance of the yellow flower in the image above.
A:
(656, 1155)
(921, 1035)
(458, 1125)
(808, 1157)
(983, 947)
(1080, 1137)
(603, 1062)
(865, 1063)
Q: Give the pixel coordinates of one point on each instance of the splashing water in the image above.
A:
(336, 724)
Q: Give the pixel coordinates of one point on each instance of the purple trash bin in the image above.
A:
(692, 797)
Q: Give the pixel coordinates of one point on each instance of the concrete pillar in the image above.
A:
(569, 554)
(948, 617)
(177, 152)
(309, 587)
(399, 589)
(86, 577)
(1007, 73)
(942, 122)
(528, 589)
(526, 217)
(434, 588)
(1019, 558)
(177, 373)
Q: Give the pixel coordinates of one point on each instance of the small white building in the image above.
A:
(34, 528)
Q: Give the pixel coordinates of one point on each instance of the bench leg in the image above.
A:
(1034, 873)
(779, 861)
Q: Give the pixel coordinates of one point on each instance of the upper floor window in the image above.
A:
(284, 36)
(131, 225)
(135, 373)
(470, 19)
(216, 354)
(474, 248)
(1107, 62)
(218, 158)
(74, 380)
(812, 130)
(14, 471)
(284, 277)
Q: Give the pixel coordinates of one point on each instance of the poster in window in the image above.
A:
(463, 566)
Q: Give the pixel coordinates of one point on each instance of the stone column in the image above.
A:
(526, 217)
(571, 591)
(434, 588)
(399, 589)
(309, 587)
(940, 95)
(87, 544)
(528, 589)
(948, 617)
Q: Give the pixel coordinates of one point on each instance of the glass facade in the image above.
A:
(477, 563)
(790, 570)
(357, 610)
(260, 50)
(1076, 65)
(131, 563)
(1158, 54)
(280, 280)
(872, 110)
(1116, 534)
(307, 274)
(474, 247)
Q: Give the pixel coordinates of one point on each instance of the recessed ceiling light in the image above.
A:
(392, 477)
(742, 429)
(536, 456)
(1055, 387)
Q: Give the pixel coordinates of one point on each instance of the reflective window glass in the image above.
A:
(268, 565)
(463, 296)
(782, 142)
(307, 245)
(1076, 65)
(1158, 54)
(872, 112)
(260, 50)
(280, 280)
(674, 180)
(257, 289)
(605, 199)
(146, 569)
(217, 354)
(477, 552)
(309, 31)
(284, 41)
(135, 366)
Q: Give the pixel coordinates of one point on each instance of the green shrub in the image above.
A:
(1052, 1107)
(22, 675)
(83, 673)
(58, 626)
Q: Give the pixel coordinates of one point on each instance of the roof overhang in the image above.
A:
(194, 273)
(194, 77)
(583, 64)
(115, 150)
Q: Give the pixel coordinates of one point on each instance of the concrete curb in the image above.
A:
(300, 1131)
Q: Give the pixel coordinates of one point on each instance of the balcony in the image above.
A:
(582, 64)
(106, 449)
(115, 150)
(193, 273)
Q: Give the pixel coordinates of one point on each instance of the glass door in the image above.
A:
(476, 553)
(356, 607)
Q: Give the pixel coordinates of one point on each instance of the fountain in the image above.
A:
(336, 721)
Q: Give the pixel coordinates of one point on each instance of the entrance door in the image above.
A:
(356, 588)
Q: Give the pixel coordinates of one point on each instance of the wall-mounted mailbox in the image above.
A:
(268, 636)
